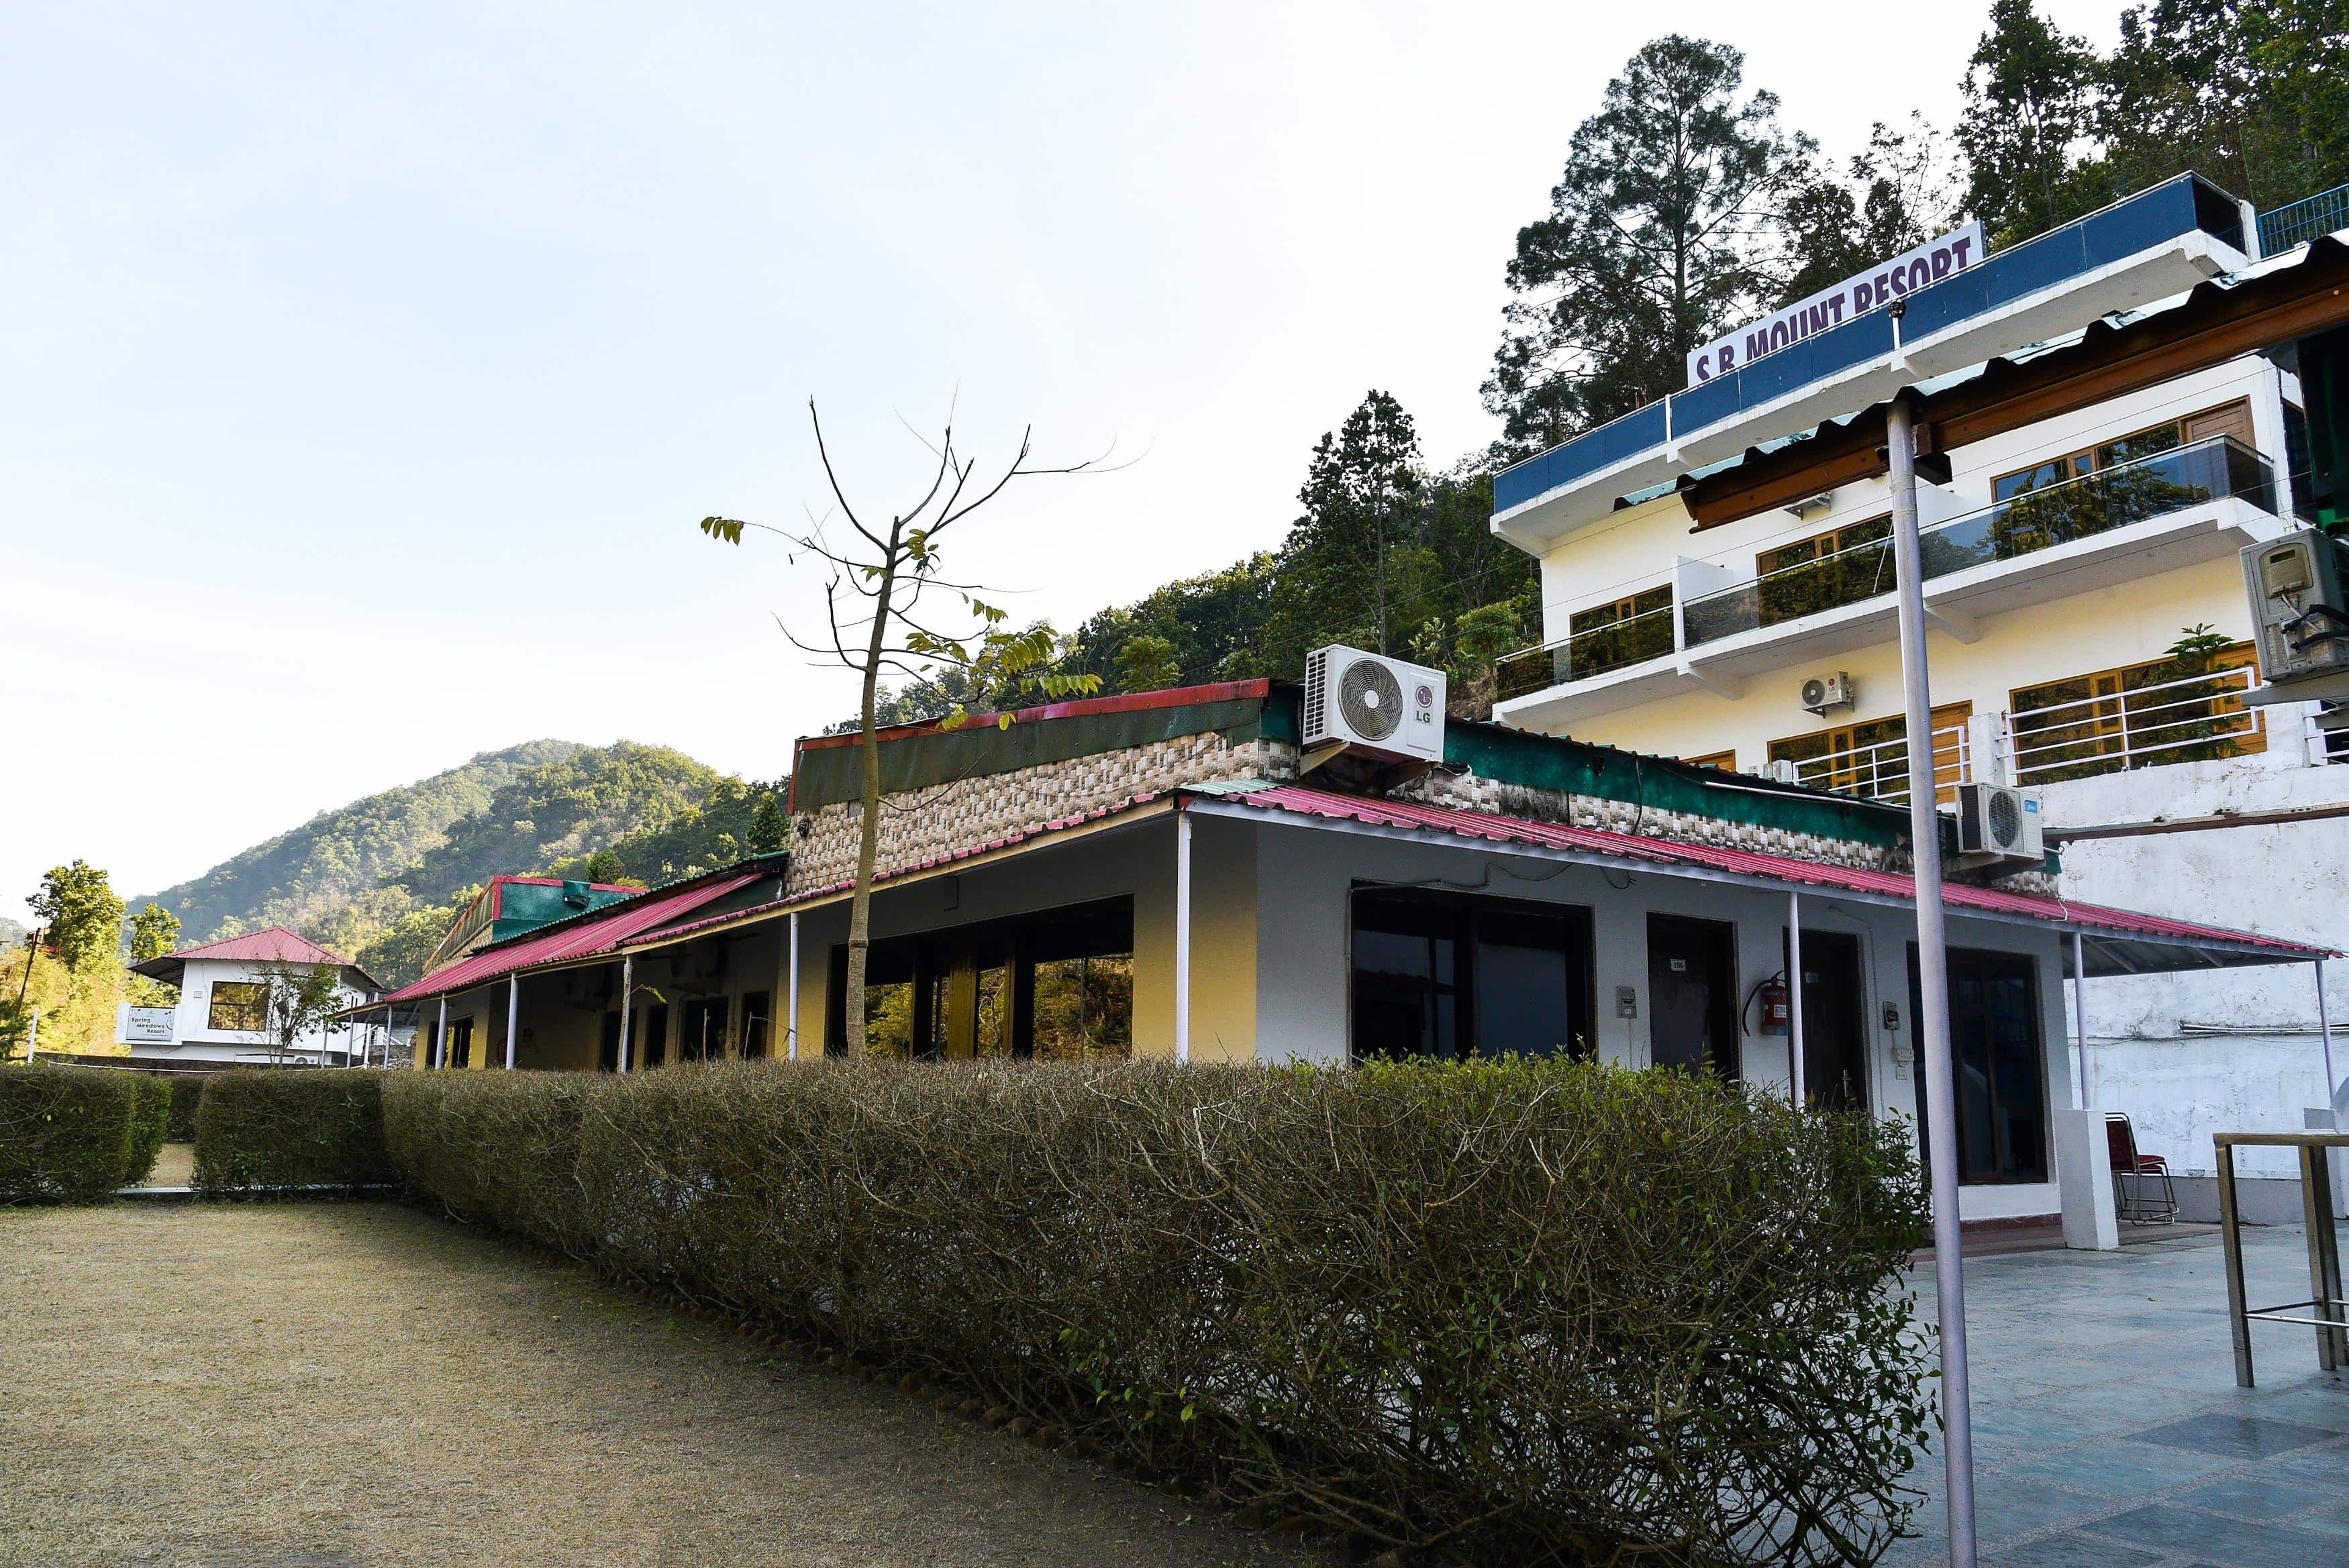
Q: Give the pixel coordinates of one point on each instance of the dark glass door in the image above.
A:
(1693, 995)
(1835, 1021)
(1998, 1062)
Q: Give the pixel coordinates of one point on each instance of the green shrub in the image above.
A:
(1512, 1311)
(151, 1121)
(187, 1094)
(287, 1127)
(66, 1133)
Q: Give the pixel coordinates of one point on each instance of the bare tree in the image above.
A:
(891, 569)
(284, 1002)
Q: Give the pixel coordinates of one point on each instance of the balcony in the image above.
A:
(1728, 622)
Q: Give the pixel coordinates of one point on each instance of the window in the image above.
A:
(703, 1038)
(1841, 566)
(1057, 984)
(1870, 758)
(2181, 708)
(241, 1006)
(648, 1036)
(1450, 974)
(1606, 636)
(2227, 419)
(756, 1008)
(1997, 1063)
(1724, 760)
(460, 1053)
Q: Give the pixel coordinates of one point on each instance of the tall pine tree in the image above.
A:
(2031, 107)
(1664, 230)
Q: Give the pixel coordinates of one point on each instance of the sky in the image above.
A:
(364, 371)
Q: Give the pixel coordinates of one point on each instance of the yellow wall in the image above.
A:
(2093, 630)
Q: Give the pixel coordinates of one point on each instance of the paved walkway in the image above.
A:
(2108, 1430)
(333, 1386)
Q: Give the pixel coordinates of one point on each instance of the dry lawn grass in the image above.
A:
(330, 1385)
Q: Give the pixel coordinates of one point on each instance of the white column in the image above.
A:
(1934, 977)
(2324, 1037)
(440, 1036)
(627, 998)
(2080, 1008)
(792, 1017)
(1182, 934)
(514, 1014)
(1794, 995)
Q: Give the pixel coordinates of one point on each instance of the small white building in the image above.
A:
(224, 1000)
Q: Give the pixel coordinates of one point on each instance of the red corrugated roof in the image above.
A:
(1492, 826)
(583, 940)
(273, 945)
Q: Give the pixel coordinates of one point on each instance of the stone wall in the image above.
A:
(922, 824)
(1471, 792)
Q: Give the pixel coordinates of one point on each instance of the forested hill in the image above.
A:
(378, 878)
(307, 877)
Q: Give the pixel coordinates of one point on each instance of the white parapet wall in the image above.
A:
(2188, 1055)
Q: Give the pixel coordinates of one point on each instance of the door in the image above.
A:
(607, 1050)
(1835, 1016)
(651, 1046)
(1693, 995)
(1998, 1062)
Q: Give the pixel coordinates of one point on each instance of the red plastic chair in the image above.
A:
(2133, 1199)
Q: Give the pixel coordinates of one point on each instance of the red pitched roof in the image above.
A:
(273, 945)
(2120, 923)
(584, 938)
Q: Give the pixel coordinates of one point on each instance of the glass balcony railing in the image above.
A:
(2036, 519)
(2020, 526)
(1594, 651)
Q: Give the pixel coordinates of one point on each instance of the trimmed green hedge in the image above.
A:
(74, 1135)
(264, 1128)
(1508, 1311)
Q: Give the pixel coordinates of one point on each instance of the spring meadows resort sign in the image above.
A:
(1903, 274)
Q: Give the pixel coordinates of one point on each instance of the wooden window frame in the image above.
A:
(2105, 708)
(2096, 460)
(251, 1002)
(1844, 738)
(1724, 760)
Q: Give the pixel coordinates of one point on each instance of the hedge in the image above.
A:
(264, 1128)
(74, 1135)
(1501, 1311)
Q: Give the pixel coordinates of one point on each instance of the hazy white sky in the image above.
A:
(363, 370)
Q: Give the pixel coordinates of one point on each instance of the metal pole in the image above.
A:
(440, 1036)
(2080, 1008)
(1794, 995)
(792, 1023)
(514, 1014)
(1933, 986)
(2324, 1036)
(627, 998)
(1182, 935)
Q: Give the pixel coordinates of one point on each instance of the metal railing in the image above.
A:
(1581, 655)
(2325, 213)
(2191, 718)
(1880, 771)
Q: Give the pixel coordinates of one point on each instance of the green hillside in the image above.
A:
(318, 877)
(379, 879)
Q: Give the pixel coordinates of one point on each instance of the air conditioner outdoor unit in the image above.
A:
(1821, 693)
(1372, 705)
(1997, 821)
(1783, 770)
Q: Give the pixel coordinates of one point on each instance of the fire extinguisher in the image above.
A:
(1772, 994)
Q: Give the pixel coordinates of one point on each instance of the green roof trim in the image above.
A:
(1535, 761)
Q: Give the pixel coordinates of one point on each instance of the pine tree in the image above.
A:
(2031, 106)
(1363, 489)
(1663, 231)
(768, 832)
